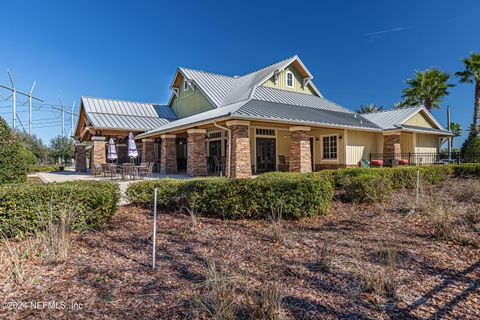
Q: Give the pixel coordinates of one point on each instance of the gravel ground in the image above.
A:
(108, 273)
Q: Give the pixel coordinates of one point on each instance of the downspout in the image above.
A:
(229, 158)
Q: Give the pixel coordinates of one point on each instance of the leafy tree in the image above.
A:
(15, 160)
(369, 108)
(34, 145)
(469, 75)
(427, 88)
(62, 147)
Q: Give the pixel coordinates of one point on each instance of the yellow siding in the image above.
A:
(317, 133)
(419, 120)
(427, 143)
(282, 82)
(190, 102)
(407, 142)
(359, 145)
(283, 143)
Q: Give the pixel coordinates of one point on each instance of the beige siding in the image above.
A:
(427, 143)
(420, 120)
(407, 142)
(190, 102)
(359, 145)
(283, 143)
(317, 133)
(282, 82)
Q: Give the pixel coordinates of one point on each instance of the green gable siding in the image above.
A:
(190, 102)
(282, 82)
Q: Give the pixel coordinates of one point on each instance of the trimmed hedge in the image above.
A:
(23, 206)
(369, 188)
(466, 170)
(238, 198)
(45, 168)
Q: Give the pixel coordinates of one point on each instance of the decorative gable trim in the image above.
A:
(428, 115)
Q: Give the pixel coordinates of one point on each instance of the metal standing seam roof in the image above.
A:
(391, 119)
(265, 110)
(296, 99)
(215, 86)
(120, 114)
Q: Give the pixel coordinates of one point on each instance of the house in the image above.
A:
(271, 119)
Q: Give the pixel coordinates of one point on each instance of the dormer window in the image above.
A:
(185, 85)
(289, 79)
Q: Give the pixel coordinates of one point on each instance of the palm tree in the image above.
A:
(427, 88)
(469, 75)
(456, 129)
(369, 108)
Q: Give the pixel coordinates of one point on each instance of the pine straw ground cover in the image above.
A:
(360, 261)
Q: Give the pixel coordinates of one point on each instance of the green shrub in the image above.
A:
(44, 168)
(238, 198)
(466, 170)
(369, 188)
(24, 206)
(15, 160)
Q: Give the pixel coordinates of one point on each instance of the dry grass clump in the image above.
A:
(12, 262)
(324, 258)
(454, 212)
(382, 282)
(218, 298)
(53, 236)
(268, 304)
(277, 224)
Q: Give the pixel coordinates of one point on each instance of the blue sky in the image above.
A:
(359, 52)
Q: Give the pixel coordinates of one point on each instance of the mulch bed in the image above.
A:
(108, 273)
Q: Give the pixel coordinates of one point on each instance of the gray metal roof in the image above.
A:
(265, 110)
(296, 99)
(428, 130)
(214, 86)
(244, 85)
(127, 115)
(391, 119)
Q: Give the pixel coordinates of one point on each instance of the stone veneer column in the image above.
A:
(148, 150)
(168, 154)
(241, 163)
(80, 157)
(300, 155)
(391, 146)
(99, 154)
(196, 152)
(122, 152)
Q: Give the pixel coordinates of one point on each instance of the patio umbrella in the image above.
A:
(132, 146)
(112, 151)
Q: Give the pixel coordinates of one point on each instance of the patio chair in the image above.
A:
(111, 170)
(283, 163)
(97, 169)
(146, 169)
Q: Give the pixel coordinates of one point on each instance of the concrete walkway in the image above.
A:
(63, 176)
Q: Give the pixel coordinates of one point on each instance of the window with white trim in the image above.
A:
(289, 79)
(329, 147)
(185, 85)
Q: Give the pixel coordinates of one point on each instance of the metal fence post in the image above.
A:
(154, 237)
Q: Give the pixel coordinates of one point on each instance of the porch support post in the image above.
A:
(80, 157)
(300, 155)
(148, 150)
(99, 154)
(240, 163)
(196, 152)
(168, 157)
(391, 146)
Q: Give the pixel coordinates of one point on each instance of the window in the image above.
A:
(329, 145)
(265, 132)
(185, 85)
(289, 79)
